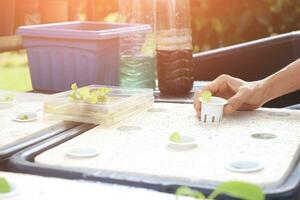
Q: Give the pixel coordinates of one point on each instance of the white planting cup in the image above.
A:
(212, 111)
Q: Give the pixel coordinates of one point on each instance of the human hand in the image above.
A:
(241, 95)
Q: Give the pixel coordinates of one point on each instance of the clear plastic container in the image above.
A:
(137, 51)
(174, 47)
(121, 104)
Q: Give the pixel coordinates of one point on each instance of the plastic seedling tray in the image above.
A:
(121, 104)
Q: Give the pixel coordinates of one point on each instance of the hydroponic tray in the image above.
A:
(137, 152)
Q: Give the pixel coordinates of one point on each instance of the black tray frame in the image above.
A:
(12, 148)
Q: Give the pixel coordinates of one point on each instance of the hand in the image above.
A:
(241, 95)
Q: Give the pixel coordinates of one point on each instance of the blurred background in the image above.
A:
(215, 23)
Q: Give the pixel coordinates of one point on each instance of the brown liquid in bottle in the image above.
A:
(175, 71)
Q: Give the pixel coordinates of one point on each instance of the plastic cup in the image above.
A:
(212, 111)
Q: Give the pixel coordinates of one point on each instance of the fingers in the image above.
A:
(236, 101)
(214, 86)
(197, 104)
(226, 86)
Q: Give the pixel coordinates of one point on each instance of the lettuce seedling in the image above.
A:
(186, 191)
(206, 95)
(24, 117)
(8, 98)
(74, 95)
(102, 94)
(4, 186)
(175, 137)
(93, 98)
(84, 93)
(89, 96)
(235, 189)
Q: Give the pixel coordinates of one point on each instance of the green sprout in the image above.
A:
(102, 94)
(89, 96)
(175, 137)
(4, 186)
(9, 97)
(74, 95)
(186, 191)
(74, 87)
(24, 117)
(84, 93)
(104, 90)
(235, 189)
(206, 95)
(93, 98)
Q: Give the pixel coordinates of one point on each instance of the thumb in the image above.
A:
(235, 102)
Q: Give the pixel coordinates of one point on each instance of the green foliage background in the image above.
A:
(218, 23)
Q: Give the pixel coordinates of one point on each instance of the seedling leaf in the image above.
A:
(71, 96)
(24, 117)
(102, 98)
(241, 190)
(186, 191)
(206, 95)
(87, 95)
(4, 186)
(74, 87)
(9, 97)
(93, 99)
(175, 137)
(104, 90)
(84, 92)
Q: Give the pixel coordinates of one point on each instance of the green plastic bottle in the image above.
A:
(137, 51)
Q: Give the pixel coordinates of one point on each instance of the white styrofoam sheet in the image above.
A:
(144, 154)
(37, 188)
(12, 131)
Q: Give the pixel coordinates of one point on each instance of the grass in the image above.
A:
(14, 71)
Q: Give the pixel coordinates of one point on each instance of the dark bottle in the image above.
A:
(174, 47)
(175, 71)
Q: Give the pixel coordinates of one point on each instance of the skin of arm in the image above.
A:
(283, 82)
(243, 95)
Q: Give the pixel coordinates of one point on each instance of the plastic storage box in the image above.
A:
(82, 52)
(121, 104)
